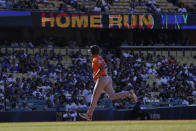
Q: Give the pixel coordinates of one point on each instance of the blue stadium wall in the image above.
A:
(176, 113)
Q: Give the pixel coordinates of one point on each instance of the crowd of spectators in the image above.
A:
(73, 3)
(20, 4)
(182, 8)
(43, 81)
(172, 82)
(100, 5)
(160, 42)
(50, 85)
(44, 4)
(153, 7)
(194, 3)
(162, 39)
(21, 44)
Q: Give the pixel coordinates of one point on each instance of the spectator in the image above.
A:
(73, 115)
(151, 2)
(158, 9)
(82, 105)
(182, 9)
(185, 102)
(106, 5)
(175, 2)
(124, 43)
(74, 3)
(87, 94)
(132, 10)
(142, 2)
(9, 4)
(97, 8)
(30, 44)
(194, 93)
(133, 3)
(66, 115)
(14, 44)
(3, 3)
(194, 3)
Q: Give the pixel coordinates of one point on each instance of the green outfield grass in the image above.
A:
(101, 126)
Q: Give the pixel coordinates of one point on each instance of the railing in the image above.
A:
(158, 47)
(189, 51)
(64, 51)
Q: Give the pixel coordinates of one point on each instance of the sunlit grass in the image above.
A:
(101, 126)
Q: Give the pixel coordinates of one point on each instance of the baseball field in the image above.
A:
(102, 126)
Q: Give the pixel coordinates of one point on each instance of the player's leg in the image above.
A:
(123, 94)
(99, 86)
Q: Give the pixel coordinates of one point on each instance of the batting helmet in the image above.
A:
(94, 49)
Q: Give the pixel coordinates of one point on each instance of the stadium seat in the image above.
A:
(30, 50)
(36, 50)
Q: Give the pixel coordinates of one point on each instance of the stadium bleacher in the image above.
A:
(117, 6)
(41, 94)
(46, 77)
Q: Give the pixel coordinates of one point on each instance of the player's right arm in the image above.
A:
(101, 67)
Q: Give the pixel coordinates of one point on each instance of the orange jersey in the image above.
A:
(97, 62)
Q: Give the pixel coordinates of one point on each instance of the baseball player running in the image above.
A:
(102, 82)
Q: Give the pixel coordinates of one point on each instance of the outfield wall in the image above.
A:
(176, 113)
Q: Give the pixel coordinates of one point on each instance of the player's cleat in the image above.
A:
(85, 116)
(133, 96)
